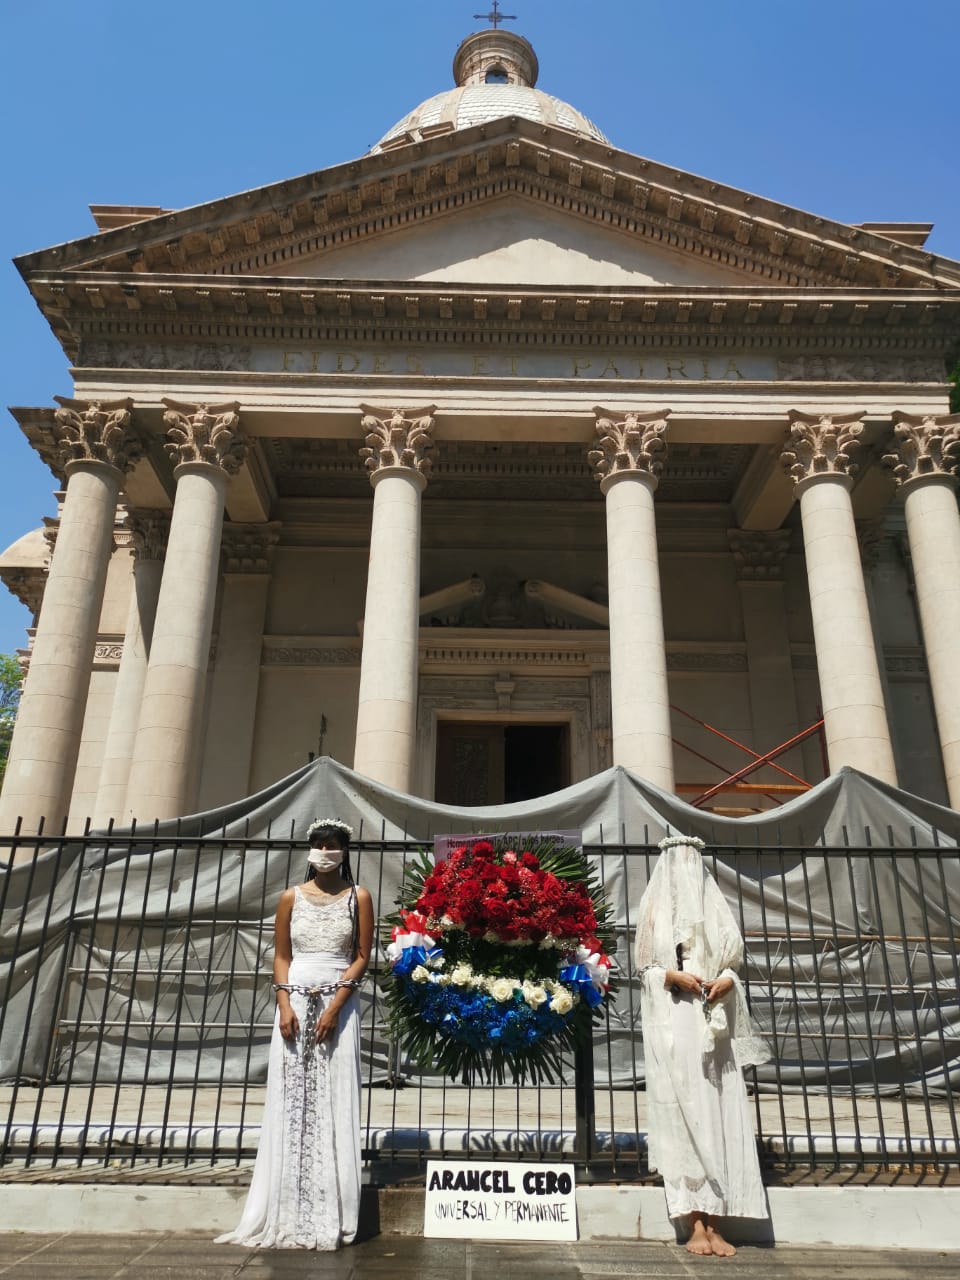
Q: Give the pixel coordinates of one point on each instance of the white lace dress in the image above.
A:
(305, 1190)
(700, 1127)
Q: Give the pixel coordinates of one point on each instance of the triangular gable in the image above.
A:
(277, 229)
(514, 240)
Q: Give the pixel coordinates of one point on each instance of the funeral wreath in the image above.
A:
(499, 958)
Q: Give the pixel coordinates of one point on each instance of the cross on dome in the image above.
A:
(495, 17)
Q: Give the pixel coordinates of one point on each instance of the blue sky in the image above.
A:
(847, 108)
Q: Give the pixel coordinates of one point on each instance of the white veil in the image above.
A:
(682, 906)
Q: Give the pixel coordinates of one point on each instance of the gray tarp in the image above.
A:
(167, 944)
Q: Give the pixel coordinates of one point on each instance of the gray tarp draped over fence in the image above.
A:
(198, 924)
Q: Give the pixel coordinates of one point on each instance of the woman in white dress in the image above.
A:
(305, 1190)
(698, 1035)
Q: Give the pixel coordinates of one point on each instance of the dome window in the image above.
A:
(496, 75)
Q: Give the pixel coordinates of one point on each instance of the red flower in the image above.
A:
(508, 895)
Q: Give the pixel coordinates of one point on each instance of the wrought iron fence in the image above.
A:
(136, 1010)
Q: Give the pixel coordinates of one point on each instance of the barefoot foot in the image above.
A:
(719, 1247)
(699, 1241)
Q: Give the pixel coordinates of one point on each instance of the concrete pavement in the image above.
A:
(24, 1256)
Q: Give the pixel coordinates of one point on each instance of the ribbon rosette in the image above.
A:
(411, 945)
(588, 972)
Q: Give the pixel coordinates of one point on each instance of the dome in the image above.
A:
(30, 551)
(496, 74)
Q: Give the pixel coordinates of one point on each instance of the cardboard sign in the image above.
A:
(444, 845)
(483, 1200)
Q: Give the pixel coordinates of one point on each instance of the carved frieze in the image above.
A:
(821, 445)
(215, 358)
(499, 655)
(924, 446)
(865, 367)
(905, 664)
(96, 431)
(286, 652)
(277, 655)
(758, 554)
(205, 433)
(108, 653)
(633, 443)
(395, 439)
(645, 356)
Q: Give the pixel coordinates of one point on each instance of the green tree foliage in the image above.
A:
(11, 678)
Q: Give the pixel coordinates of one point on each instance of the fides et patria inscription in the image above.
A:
(586, 365)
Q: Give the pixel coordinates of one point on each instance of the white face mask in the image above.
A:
(325, 859)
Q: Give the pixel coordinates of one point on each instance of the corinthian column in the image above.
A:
(96, 446)
(924, 461)
(149, 531)
(387, 711)
(207, 447)
(818, 456)
(628, 461)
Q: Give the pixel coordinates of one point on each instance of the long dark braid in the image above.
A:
(347, 874)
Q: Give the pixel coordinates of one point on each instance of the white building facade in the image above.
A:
(482, 462)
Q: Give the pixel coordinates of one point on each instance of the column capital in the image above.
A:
(397, 438)
(633, 444)
(925, 447)
(759, 554)
(248, 548)
(149, 530)
(820, 445)
(207, 433)
(96, 431)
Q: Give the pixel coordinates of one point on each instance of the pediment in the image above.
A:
(514, 240)
(307, 225)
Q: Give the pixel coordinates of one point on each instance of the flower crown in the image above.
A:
(330, 824)
(673, 842)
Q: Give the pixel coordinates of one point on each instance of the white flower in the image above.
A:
(448, 923)
(547, 941)
(534, 994)
(561, 1002)
(420, 974)
(462, 974)
(501, 989)
(490, 936)
(441, 979)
